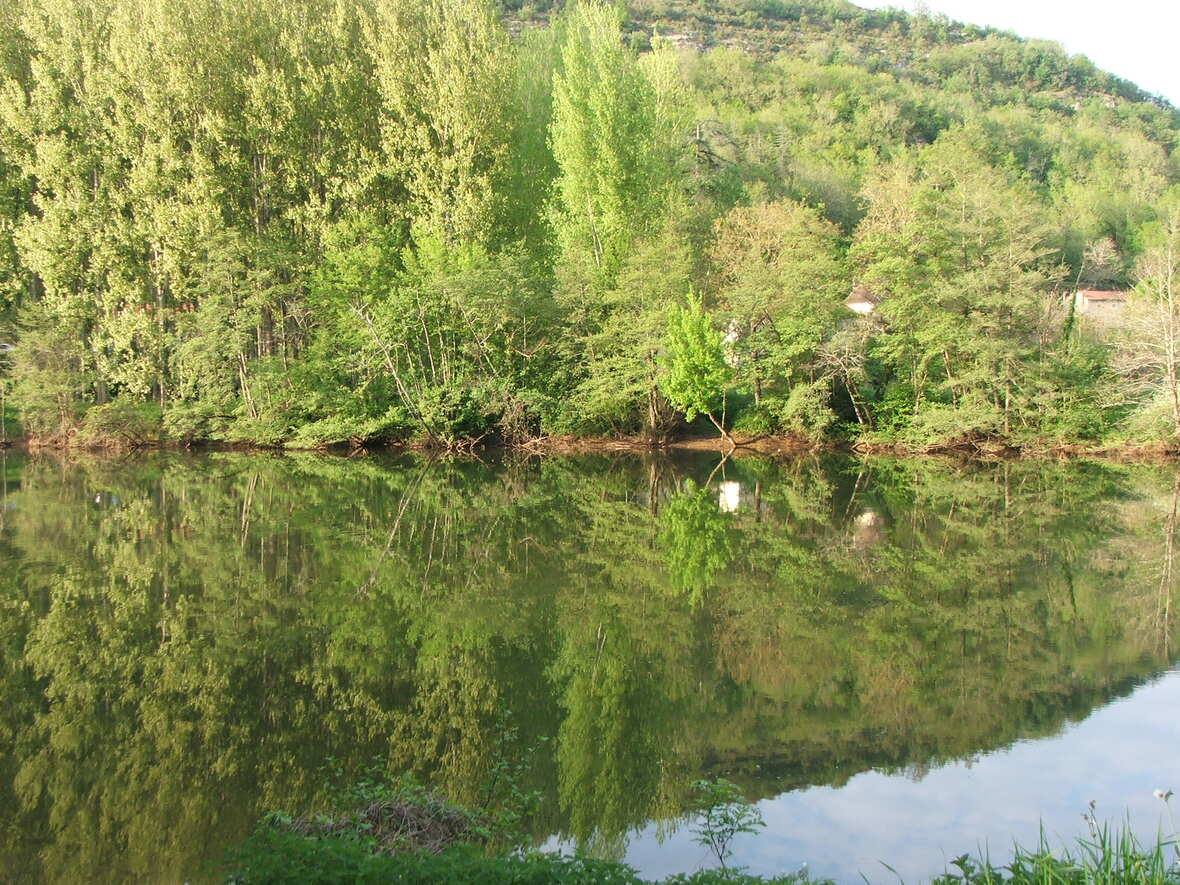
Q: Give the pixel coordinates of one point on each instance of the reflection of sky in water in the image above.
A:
(1117, 757)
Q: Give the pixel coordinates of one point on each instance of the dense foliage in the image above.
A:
(1109, 856)
(270, 857)
(397, 833)
(276, 858)
(313, 221)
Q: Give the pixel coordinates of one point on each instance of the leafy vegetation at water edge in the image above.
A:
(277, 855)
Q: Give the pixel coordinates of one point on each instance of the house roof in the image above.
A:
(862, 295)
(1101, 295)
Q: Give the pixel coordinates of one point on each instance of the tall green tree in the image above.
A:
(614, 131)
(961, 258)
(697, 377)
(781, 283)
(442, 69)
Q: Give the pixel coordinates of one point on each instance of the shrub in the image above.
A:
(122, 422)
(275, 857)
(723, 813)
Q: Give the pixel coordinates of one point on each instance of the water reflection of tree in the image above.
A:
(696, 537)
(189, 648)
(1167, 580)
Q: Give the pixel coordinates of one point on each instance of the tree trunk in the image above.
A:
(721, 429)
(266, 330)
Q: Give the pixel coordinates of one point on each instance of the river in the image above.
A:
(899, 660)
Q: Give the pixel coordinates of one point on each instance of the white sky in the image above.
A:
(1138, 40)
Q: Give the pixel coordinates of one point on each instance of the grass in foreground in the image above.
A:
(1110, 858)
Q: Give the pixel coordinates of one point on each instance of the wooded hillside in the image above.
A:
(312, 221)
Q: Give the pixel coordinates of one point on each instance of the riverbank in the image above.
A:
(272, 857)
(792, 445)
(275, 857)
(420, 837)
(737, 446)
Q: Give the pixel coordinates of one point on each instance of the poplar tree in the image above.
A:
(612, 137)
(442, 67)
(16, 283)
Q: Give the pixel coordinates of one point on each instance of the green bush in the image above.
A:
(122, 422)
(51, 385)
(393, 829)
(723, 812)
(277, 857)
(1150, 423)
(272, 856)
(806, 411)
(344, 428)
(972, 420)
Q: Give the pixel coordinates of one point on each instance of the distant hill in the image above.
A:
(925, 49)
(817, 92)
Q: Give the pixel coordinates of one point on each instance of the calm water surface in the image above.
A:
(900, 661)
